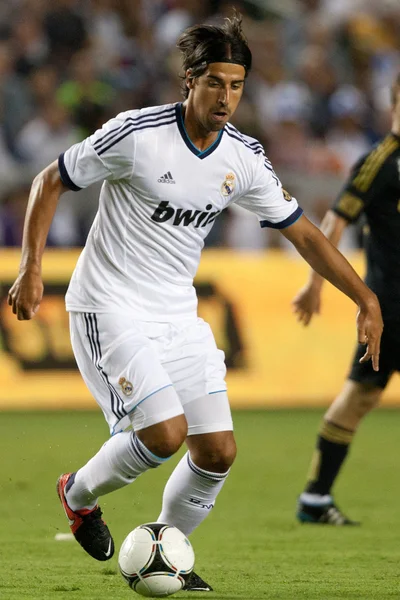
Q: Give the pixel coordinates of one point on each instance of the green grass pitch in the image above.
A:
(250, 547)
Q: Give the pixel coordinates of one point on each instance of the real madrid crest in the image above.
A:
(127, 387)
(229, 185)
(286, 195)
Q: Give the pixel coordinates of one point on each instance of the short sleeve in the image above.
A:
(267, 199)
(366, 184)
(107, 154)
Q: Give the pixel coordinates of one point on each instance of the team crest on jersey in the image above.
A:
(127, 387)
(229, 185)
(286, 195)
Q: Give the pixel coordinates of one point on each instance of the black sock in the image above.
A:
(332, 447)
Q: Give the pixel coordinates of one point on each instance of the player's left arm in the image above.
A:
(328, 262)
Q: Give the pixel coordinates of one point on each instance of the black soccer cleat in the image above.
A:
(327, 514)
(87, 526)
(197, 584)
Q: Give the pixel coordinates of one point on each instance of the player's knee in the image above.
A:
(216, 458)
(165, 438)
(224, 458)
(366, 398)
(366, 403)
(220, 460)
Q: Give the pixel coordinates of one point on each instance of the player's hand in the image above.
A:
(306, 302)
(26, 294)
(369, 329)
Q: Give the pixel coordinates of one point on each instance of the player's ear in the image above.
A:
(189, 79)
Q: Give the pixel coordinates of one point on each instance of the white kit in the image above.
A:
(134, 325)
(158, 202)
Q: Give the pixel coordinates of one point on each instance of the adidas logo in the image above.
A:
(166, 178)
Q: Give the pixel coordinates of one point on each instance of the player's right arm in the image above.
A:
(107, 154)
(26, 293)
(308, 300)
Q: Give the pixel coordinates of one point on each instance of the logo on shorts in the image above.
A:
(127, 387)
(229, 185)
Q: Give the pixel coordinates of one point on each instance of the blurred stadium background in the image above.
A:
(318, 97)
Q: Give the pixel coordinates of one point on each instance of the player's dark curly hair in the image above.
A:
(201, 45)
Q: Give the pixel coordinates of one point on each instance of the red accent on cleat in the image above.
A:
(74, 517)
(87, 526)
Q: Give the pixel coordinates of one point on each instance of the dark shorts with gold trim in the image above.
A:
(389, 359)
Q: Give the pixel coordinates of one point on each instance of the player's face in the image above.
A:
(216, 94)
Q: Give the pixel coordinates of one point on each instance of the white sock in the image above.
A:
(189, 495)
(118, 462)
(315, 499)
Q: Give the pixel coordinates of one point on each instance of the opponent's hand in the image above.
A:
(25, 295)
(306, 302)
(369, 330)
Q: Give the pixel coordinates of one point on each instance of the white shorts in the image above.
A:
(124, 362)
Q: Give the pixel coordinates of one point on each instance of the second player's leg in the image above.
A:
(359, 395)
(352, 404)
(333, 443)
(335, 436)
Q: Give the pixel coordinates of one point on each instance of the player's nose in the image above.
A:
(224, 97)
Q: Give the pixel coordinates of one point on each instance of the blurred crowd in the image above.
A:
(318, 96)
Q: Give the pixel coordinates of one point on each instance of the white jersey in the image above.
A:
(158, 202)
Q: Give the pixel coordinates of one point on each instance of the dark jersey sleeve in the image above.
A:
(369, 179)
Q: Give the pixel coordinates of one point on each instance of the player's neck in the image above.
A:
(199, 137)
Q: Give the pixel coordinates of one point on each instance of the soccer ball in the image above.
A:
(156, 560)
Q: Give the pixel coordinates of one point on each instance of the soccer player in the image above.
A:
(373, 189)
(150, 363)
